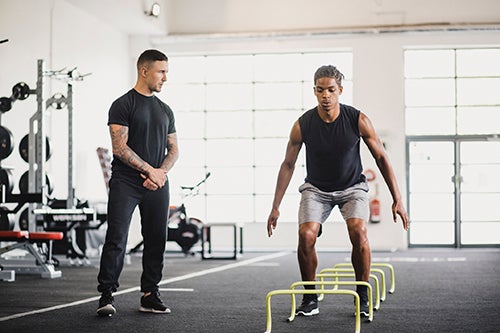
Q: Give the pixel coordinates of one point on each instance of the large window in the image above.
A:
(452, 125)
(452, 91)
(233, 116)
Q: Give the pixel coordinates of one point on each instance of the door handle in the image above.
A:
(457, 179)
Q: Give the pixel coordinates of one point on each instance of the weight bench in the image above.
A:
(39, 245)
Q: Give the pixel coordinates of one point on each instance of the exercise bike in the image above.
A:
(183, 229)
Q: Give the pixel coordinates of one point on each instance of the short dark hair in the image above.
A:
(150, 56)
(329, 71)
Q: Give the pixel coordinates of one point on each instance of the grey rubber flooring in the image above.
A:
(436, 291)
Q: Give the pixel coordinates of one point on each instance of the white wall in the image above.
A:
(64, 36)
(378, 91)
(67, 36)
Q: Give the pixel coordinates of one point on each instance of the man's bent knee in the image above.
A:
(358, 233)
(308, 233)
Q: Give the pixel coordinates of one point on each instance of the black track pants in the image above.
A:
(124, 197)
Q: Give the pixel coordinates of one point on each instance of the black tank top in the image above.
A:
(333, 160)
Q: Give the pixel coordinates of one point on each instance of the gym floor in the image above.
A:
(437, 290)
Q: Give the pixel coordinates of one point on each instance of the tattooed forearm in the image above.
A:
(119, 137)
(172, 152)
(129, 157)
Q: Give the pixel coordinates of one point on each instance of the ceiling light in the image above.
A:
(155, 10)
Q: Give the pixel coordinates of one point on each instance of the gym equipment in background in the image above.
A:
(183, 229)
(44, 214)
(38, 245)
(20, 91)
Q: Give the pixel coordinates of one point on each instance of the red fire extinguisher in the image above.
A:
(375, 207)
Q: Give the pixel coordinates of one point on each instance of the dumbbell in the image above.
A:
(20, 91)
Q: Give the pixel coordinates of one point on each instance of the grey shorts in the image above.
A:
(316, 205)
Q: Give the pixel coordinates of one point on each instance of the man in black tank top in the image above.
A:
(331, 133)
(144, 143)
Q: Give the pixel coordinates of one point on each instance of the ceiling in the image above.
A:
(194, 17)
(128, 16)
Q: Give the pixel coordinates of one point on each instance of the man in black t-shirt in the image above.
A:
(331, 133)
(144, 143)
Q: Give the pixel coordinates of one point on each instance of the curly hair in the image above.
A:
(329, 71)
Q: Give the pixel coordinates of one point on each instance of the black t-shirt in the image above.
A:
(149, 121)
(333, 160)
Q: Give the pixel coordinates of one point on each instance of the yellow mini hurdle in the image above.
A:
(294, 292)
(333, 283)
(392, 288)
(341, 270)
(336, 276)
(351, 270)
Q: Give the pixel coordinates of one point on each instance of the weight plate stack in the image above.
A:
(24, 148)
(6, 142)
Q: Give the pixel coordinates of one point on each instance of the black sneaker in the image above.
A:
(309, 307)
(153, 303)
(364, 311)
(106, 308)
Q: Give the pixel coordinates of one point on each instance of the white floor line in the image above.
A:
(163, 282)
(266, 264)
(176, 289)
(414, 259)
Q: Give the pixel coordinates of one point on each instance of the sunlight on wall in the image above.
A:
(233, 117)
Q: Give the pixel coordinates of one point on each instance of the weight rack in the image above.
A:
(37, 186)
(73, 214)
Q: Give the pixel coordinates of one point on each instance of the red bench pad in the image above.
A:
(46, 235)
(8, 235)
